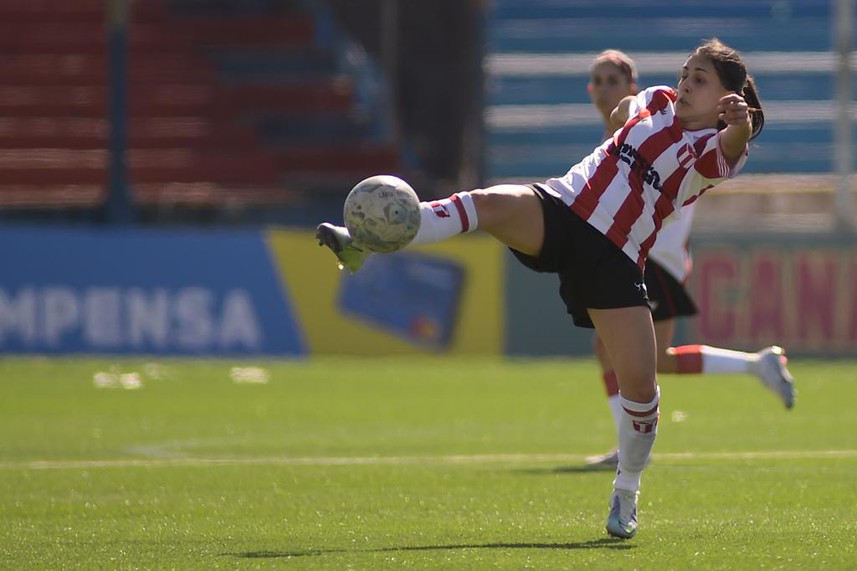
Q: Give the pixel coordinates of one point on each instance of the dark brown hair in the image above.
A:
(732, 71)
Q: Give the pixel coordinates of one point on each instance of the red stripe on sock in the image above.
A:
(459, 206)
(638, 414)
(689, 359)
(610, 383)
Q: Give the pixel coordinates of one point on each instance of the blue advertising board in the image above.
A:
(114, 291)
(414, 296)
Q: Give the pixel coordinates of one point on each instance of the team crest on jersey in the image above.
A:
(686, 156)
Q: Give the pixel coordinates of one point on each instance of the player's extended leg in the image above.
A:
(768, 365)
(512, 213)
(628, 335)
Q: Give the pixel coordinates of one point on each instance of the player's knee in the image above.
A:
(492, 206)
(639, 388)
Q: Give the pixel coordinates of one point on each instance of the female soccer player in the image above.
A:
(595, 225)
(613, 76)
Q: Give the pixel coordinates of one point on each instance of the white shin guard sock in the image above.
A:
(717, 360)
(442, 219)
(637, 435)
(615, 403)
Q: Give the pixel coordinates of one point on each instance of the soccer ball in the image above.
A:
(382, 213)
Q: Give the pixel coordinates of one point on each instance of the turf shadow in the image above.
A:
(577, 469)
(603, 543)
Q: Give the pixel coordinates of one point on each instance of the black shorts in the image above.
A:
(593, 272)
(668, 298)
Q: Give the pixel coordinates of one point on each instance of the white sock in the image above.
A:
(717, 360)
(442, 219)
(636, 437)
(615, 404)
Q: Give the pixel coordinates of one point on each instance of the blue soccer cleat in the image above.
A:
(622, 521)
(771, 370)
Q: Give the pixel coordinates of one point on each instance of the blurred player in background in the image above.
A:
(613, 76)
(594, 226)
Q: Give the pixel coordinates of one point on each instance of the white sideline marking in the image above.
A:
(404, 460)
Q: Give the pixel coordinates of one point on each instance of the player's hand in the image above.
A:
(733, 110)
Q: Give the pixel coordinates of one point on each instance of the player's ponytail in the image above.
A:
(757, 116)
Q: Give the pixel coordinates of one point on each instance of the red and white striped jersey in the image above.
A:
(671, 249)
(647, 170)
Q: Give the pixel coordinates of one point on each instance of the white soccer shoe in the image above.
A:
(622, 521)
(771, 370)
(350, 254)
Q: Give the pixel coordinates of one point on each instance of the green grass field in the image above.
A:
(419, 464)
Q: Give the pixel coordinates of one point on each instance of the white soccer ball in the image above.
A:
(382, 213)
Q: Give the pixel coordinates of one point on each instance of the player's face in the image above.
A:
(699, 90)
(607, 86)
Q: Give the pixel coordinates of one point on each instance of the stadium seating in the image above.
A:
(538, 116)
(231, 104)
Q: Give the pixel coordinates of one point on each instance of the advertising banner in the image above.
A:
(103, 291)
(276, 293)
(801, 295)
(797, 291)
(445, 298)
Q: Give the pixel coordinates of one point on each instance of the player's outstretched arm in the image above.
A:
(735, 112)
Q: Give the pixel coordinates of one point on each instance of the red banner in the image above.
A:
(804, 298)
